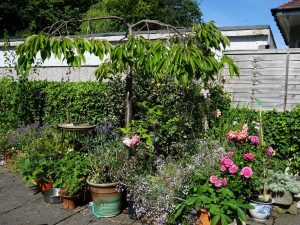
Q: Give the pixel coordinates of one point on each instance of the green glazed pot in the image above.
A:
(107, 200)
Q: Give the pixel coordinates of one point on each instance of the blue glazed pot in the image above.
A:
(262, 210)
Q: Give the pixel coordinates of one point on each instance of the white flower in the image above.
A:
(205, 93)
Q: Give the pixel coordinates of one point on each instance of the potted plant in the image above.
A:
(39, 152)
(107, 169)
(71, 173)
(254, 157)
(215, 204)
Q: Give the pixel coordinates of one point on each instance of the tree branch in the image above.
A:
(175, 30)
(106, 18)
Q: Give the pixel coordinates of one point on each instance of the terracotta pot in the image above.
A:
(204, 218)
(69, 202)
(107, 200)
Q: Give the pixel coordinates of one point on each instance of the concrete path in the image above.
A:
(19, 205)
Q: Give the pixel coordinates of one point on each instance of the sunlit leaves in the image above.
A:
(71, 50)
(191, 57)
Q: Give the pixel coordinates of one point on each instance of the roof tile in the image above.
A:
(290, 5)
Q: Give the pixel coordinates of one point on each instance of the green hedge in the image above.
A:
(25, 102)
(281, 130)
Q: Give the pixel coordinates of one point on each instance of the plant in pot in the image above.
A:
(36, 160)
(255, 158)
(107, 169)
(214, 201)
(71, 172)
(138, 166)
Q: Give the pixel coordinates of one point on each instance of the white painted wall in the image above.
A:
(55, 70)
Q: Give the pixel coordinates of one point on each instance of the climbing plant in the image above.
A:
(187, 57)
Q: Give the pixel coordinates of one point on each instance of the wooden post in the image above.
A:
(286, 80)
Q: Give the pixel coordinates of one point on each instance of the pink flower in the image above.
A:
(228, 163)
(242, 136)
(233, 169)
(218, 183)
(222, 160)
(213, 179)
(270, 151)
(135, 141)
(231, 135)
(127, 141)
(248, 157)
(224, 181)
(254, 140)
(223, 168)
(230, 154)
(246, 172)
(132, 142)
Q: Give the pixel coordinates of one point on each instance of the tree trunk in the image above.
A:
(128, 89)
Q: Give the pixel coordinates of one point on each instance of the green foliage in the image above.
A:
(108, 161)
(77, 102)
(39, 152)
(8, 115)
(280, 182)
(280, 131)
(179, 13)
(222, 205)
(185, 59)
(71, 172)
(22, 18)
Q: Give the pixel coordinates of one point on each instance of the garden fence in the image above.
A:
(269, 75)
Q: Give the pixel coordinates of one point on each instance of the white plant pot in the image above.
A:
(262, 210)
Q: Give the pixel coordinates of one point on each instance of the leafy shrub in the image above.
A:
(7, 112)
(280, 129)
(166, 113)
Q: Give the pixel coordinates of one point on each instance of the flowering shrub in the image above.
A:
(245, 165)
(155, 195)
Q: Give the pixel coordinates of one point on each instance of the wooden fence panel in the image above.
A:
(272, 76)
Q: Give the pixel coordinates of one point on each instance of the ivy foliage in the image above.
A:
(185, 57)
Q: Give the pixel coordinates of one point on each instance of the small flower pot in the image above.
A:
(132, 210)
(203, 219)
(69, 202)
(262, 210)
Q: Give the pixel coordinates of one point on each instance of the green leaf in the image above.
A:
(241, 214)
(215, 219)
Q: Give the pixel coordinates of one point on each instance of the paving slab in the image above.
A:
(20, 205)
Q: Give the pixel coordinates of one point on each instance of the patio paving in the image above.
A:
(19, 205)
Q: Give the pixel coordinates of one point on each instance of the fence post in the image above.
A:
(286, 79)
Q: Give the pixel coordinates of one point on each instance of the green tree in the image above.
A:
(24, 17)
(179, 13)
(188, 58)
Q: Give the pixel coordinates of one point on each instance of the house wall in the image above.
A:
(272, 76)
(295, 37)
